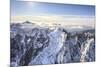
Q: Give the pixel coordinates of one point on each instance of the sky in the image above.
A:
(31, 8)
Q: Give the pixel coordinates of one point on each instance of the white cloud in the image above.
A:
(63, 20)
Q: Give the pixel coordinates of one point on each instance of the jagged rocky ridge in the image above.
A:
(35, 45)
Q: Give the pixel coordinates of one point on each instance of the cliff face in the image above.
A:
(32, 45)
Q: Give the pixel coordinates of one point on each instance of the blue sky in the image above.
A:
(20, 8)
